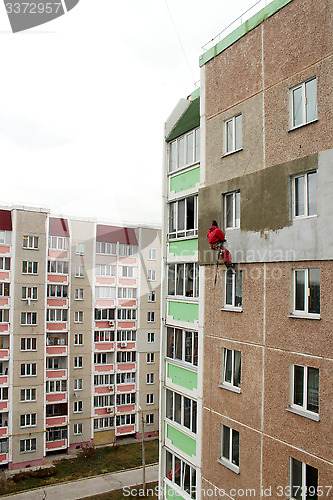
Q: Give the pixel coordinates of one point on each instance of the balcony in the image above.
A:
(126, 367)
(105, 368)
(56, 445)
(57, 326)
(56, 438)
(104, 346)
(56, 350)
(56, 374)
(56, 420)
(125, 408)
(3, 432)
(56, 397)
(107, 411)
(125, 429)
(126, 388)
(125, 345)
(104, 389)
(3, 458)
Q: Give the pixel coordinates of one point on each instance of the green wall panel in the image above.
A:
(181, 441)
(184, 247)
(182, 377)
(171, 494)
(184, 181)
(183, 311)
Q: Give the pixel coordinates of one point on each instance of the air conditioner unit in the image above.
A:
(111, 323)
(109, 410)
(123, 344)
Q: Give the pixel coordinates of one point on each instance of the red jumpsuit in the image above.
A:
(216, 237)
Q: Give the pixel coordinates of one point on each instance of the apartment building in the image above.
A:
(181, 385)
(266, 110)
(79, 316)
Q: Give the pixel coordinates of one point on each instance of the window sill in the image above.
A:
(304, 316)
(302, 217)
(303, 413)
(231, 152)
(229, 465)
(232, 309)
(302, 125)
(186, 167)
(230, 388)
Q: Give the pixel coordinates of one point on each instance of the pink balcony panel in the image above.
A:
(58, 254)
(105, 281)
(57, 302)
(4, 302)
(129, 345)
(127, 281)
(56, 327)
(54, 421)
(3, 405)
(56, 350)
(56, 374)
(4, 354)
(4, 379)
(105, 303)
(56, 445)
(57, 278)
(104, 390)
(104, 368)
(126, 324)
(3, 432)
(59, 397)
(125, 366)
(3, 458)
(103, 325)
(125, 408)
(104, 412)
(4, 327)
(127, 303)
(127, 260)
(126, 388)
(104, 346)
(4, 250)
(126, 429)
(4, 276)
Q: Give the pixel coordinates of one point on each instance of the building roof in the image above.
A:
(113, 234)
(189, 120)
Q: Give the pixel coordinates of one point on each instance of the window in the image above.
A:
(151, 275)
(183, 280)
(125, 399)
(303, 481)
(28, 369)
(104, 336)
(28, 420)
(184, 151)
(78, 293)
(77, 429)
(233, 290)
(105, 270)
(307, 291)
(28, 395)
(151, 317)
(104, 379)
(231, 374)
(126, 378)
(4, 394)
(79, 271)
(127, 250)
(305, 389)
(125, 419)
(78, 339)
(5, 237)
(231, 203)
(56, 339)
(53, 364)
(4, 289)
(152, 254)
(128, 271)
(149, 418)
(150, 399)
(29, 267)
(151, 337)
(57, 267)
(78, 384)
(28, 344)
(56, 434)
(106, 248)
(183, 217)
(4, 263)
(181, 410)
(181, 473)
(151, 296)
(100, 358)
(305, 195)
(77, 407)
(126, 335)
(150, 357)
(304, 103)
(78, 316)
(29, 293)
(105, 314)
(30, 242)
(230, 448)
(102, 401)
(80, 248)
(28, 318)
(56, 315)
(233, 134)
(58, 243)
(54, 386)
(4, 445)
(126, 293)
(126, 314)
(126, 356)
(27, 445)
(103, 423)
(78, 362)
(150, 378)
(105, 292)
(4, 315)
(57, 291)
(182, 345)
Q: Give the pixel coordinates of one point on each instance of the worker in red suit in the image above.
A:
(216, 238)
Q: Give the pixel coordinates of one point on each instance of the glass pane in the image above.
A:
(312, 193)
(178, 343)
(313, 390)
(168, 465)
(187, 413)
(169, 404)
(298, 385)
(235, 447)
(314, 285)
(226, 443)
(299, 196)
(228, 365)
(237, 368)
(197, 144)
(296, 479)
(177, 408)
(172, 218)
(238, 289)
(194, 416)
(188, 347)
(229, 213)
(190, 213)
(180, 279)
(229, 134)
(189, 283)
(299, 290)
(238, 132)
(237, 209)
(170, 346)
(181, 215)
(195, 349)
(311, 100)
(172, 156)
(171, 279)
(311, 483)
(187, 478)
(228, 290)
(194, 483)
(181, 152)
(297, 106)
(177, 471)
(190, 148)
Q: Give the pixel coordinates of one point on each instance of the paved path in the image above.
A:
(88, 487)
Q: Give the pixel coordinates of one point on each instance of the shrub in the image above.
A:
(87, 451)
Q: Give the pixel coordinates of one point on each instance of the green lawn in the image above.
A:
(101, 461)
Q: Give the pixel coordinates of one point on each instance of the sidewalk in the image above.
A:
(88, 487)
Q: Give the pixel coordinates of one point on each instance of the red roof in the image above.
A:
(112, 234)
(5, 220)
(58, 227)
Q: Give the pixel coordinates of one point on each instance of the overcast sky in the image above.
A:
(84, 99)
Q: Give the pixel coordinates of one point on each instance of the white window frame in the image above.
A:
(28, 370)
(150, 378)
(78, 384)
(303, 489)
(150, 358)
(79, 271)
(5, 237)
(78, 294)
(303, 409)
(227, 461)
(231, 385)
(149, 418)
(31, 267)
(305, 195)
(184, 162)
(150, 399)
(28, 418)
(31, 242)
(29, 445)
(79, 249)
(305, 121)
(151, 317)
(58, 243)
(30, 392)
(28, 318)
(5, 263)
(78, 362)
(151, 275)
(233, 148)
(78, 316)
(29, 293)
(29, 343)
(233, 275)
(106, 270)
(78, 429)
(106, 248)
(185, 232)
(152, 254)
(304, 312)
(151, 337)
(152, 296)
(235, 200)
(77, 407)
